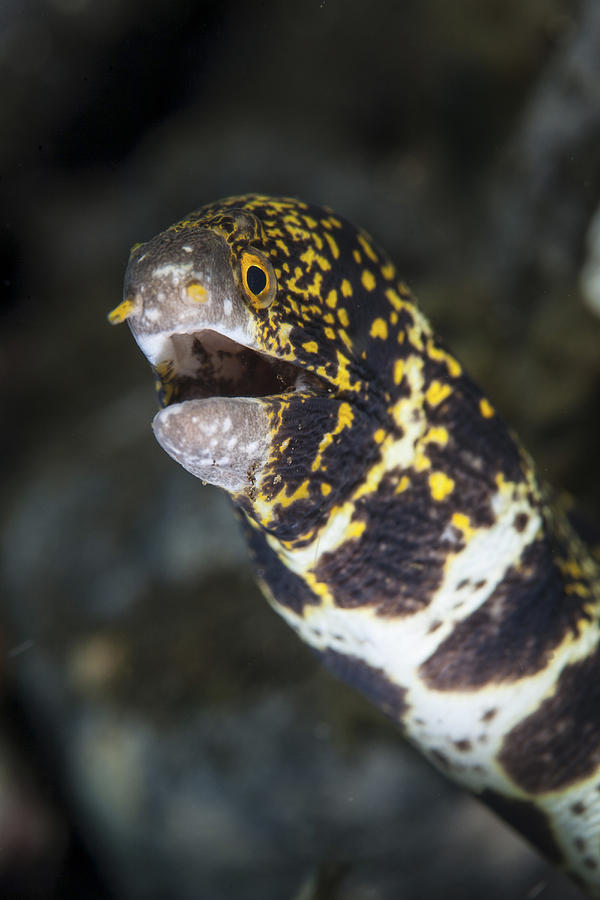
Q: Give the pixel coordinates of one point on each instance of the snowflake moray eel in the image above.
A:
(395, 522)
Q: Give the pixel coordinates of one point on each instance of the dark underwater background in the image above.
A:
(162, 733)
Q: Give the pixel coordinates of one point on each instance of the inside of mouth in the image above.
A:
(208, 364)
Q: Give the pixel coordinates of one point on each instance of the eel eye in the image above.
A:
(258, 279)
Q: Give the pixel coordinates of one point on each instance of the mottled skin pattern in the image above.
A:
(395, 522)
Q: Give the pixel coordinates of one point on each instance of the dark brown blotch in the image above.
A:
(559, 744)
(511, 635)
(398, 562)
(520, 521)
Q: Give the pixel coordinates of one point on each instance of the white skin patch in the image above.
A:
(152, 313)
(176, 272)
(227, 306)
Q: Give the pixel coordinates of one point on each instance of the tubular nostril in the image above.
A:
(124, 310)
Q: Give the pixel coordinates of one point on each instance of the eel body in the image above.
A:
(395, 522)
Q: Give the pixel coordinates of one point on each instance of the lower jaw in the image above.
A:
(224, 441)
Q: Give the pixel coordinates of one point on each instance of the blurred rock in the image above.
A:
(590, 273)
(33, 834)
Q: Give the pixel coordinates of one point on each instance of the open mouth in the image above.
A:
(208, 364)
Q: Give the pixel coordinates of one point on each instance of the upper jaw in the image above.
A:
(180, 285)
(188, 318)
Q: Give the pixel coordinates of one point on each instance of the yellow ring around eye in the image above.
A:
(258, 279)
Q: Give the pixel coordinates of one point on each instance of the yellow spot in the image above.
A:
(282, 246)
(345, 417)
(367, 248)
(343, 317)
(316, 586)
(394, 317)
(346, 288)
(394, 299)
(398, 371)
(402, 485)
(343, 376)
(355, 529)
(346, 340)
(463, 523)
(438, 435)
(422, 462)
(301, 493)
(331, 299)
(330, 333)
(371, 482)
(368, 280)
(388, 271)
(580, 589)
(325, 488)
(357, 256)
(440, 485)
(311, 347)
(486, 409)
(329, 319)
(335, 250)
(379, 436)
(379, 329)
(308, 257)
(439, 355)
(196, 292)
(570, 567)
(312, 223)
(314, 289)
(121, 312)
(437, 392)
